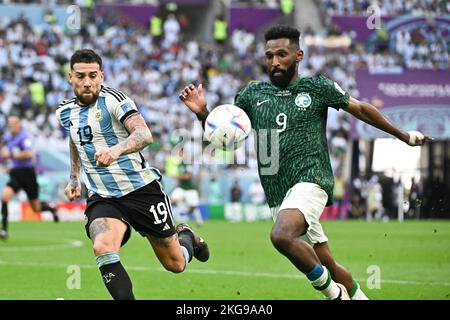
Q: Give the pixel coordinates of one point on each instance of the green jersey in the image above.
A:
(290, 128)
(186, 184)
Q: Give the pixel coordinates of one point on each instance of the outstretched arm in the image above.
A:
(371, 115)
(140, 137)
(195, 100)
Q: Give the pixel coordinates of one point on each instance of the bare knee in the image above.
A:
(289, 225)
(283, 234)
(280, 240)
(102, 247)
(8, 194)
(174, 265)
(107, 235)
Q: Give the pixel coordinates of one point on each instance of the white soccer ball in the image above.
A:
(227, 127)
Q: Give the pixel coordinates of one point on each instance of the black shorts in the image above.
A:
(147, 210)
(24, 178)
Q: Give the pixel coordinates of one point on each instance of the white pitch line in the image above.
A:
(70, 244)
(220, 272)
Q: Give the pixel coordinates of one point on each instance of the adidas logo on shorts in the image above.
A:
(166, 227)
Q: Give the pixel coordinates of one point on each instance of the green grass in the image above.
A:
(413, 258)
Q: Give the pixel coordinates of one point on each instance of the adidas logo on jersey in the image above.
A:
(166, 227)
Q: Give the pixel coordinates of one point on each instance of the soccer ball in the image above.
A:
(227, 127)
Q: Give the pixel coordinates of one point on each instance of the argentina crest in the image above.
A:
(98, 115)
(303, 101)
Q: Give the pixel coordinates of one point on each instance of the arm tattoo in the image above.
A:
(140, 136)
(98, 226)
(75, 163)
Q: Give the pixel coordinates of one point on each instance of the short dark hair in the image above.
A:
(14, 113)
(86, 56)
(282, 31)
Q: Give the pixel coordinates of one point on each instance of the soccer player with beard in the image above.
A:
(106, 134)
(295, 110)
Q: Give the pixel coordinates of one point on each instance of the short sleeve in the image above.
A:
(242, 100)
(334, 96)
(58, 117)
(124, 109)
(63, 117)
(27, 144)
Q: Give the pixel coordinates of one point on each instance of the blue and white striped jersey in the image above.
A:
(101, 125)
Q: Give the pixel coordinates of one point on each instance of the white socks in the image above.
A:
(320, 279)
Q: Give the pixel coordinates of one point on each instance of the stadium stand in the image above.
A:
(34, 62)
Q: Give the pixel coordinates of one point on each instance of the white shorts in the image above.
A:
(310, 199)
(185, 197)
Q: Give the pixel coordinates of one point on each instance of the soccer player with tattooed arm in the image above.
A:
(106, 134)
(295, 109)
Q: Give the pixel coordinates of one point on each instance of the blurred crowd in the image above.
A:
(386, 7)
(265, 3)
(377, 198)
(34, 61)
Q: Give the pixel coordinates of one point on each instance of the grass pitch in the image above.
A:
(49, 261)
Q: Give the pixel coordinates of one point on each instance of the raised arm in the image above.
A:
(371, 115)
(195, 100)
(140, 137)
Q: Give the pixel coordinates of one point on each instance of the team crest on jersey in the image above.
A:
(98, 115)
(303, 100)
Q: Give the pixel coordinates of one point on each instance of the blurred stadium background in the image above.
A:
(392, 53)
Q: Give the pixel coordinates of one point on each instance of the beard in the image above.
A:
(88, 100)
(284, 78)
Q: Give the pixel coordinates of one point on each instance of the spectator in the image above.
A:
(415, 199)
(338, 194)
(156, 29)
(220, 31)
(171, 31)
(375, 209)
(287, 9)
(234, 214)
(356, 207)
(257, 195)
(215, 195)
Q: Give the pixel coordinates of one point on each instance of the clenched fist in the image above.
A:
(105, 156)
(73, 190)
(416, 138)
